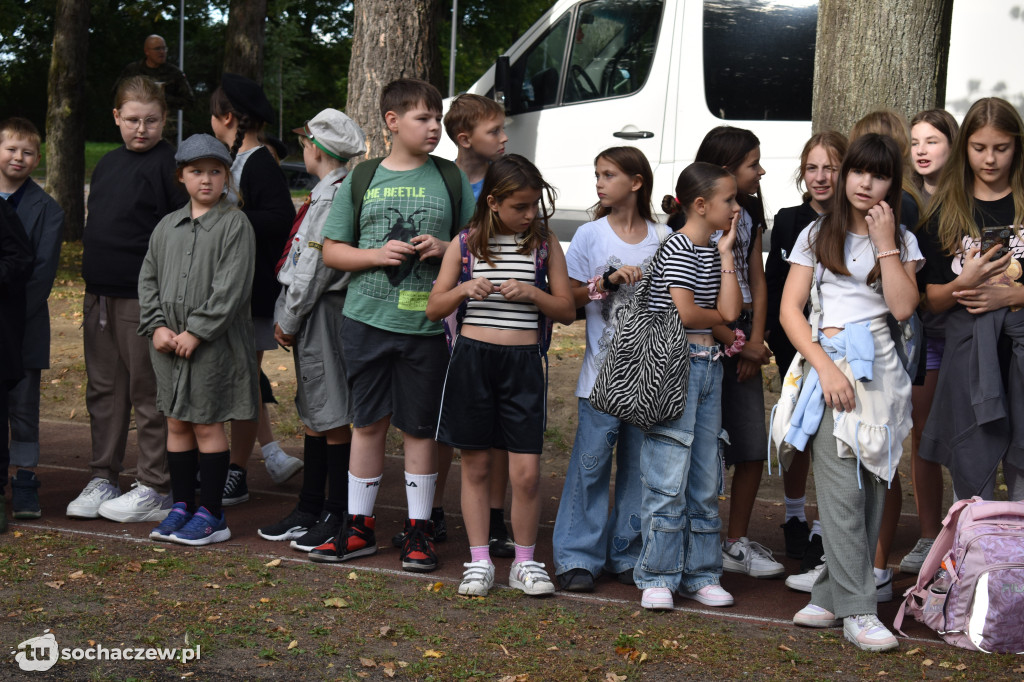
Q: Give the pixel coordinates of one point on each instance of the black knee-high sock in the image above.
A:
(183, 467)
(314, 473)
(213, 474)
(337, 478)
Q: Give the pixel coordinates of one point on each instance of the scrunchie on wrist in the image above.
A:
(737, 344)
(592, 291)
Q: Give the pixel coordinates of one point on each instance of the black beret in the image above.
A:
(246, 97)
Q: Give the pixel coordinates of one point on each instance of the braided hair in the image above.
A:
(220, 105)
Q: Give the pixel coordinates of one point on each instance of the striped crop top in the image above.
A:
(494, 311)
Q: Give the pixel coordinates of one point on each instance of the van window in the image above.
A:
(610, 55)
(759, 58)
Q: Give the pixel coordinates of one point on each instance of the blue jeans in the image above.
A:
(586, 535)
(681, 477)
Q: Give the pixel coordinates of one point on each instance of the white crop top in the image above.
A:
(495, 311)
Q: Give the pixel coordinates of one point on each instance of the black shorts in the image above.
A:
(494, 397)
(396, 375)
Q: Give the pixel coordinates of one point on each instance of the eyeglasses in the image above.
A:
(133, 122)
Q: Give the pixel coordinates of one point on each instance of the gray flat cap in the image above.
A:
(202, 146)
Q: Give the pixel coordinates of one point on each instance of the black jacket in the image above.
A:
(16, 258)
(787, 227)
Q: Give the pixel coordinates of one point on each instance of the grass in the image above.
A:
(94, 151)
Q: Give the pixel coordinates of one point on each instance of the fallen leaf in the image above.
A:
(212, 586)
(962, 666)
(152, 561)
(77, 575)
(612, 677)
(362, 674)
(292, 644)
(159, 549)
(431, 653)
(882, 673)
(336, 602)
(367, 662)
(504, 649)
(264, 600)
(72, 415)
(929, 661)
(389, 672)
(282, 368)
(212, 619)
(273, 564)
(188, 674)
(133, 566)
(352, 575)
(384, 630)
(434, 587)
(403, 664)
(56, 584)
(914, 651)
(783, 647)
(944, 664)
(643, 657)
(552, 648)
(18, 533)
(634, 614)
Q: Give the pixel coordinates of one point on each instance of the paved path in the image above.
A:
(66, 455)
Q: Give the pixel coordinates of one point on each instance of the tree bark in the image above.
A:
(243, 44)
(390, 39)
(65, 116)
(874, 54)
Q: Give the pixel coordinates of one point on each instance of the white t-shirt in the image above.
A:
(740, 249)
(847, 299)
(594, 248)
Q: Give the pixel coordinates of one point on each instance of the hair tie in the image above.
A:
(676, 199)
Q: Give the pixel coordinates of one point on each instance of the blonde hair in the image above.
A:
(18, 128)
(953, 201)
(142, 89)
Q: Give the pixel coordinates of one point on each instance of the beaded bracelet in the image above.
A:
(727, 272)
(893, 252)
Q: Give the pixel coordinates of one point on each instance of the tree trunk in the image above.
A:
(243, 44)
(390, 39)
(65, 116)
(874, 54)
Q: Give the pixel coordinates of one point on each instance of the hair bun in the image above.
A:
(670, 205)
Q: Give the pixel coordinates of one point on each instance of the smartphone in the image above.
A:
(990, 236)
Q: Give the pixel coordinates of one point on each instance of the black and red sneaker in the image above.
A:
(356, 539)
(418, 550)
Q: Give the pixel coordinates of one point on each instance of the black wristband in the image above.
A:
(607, 283)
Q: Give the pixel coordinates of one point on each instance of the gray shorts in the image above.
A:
(264, 327)
(321, 394)
(396, 375)
(743, 410)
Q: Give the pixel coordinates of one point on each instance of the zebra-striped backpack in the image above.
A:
(644, 378)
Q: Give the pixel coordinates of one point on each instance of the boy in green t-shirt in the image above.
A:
(395, 357)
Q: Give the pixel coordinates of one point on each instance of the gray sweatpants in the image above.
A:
(850, 518)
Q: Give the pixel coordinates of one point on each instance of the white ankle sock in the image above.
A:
(795, 507)
(816, 528)
(362, 494)
(419, 494)
(879, 573)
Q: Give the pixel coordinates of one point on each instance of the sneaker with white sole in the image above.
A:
(913, 561)
(281, 466)
(202, 529)
(293, 526)
(812, 616)
(139, 504)
(531, 578)
(95, 493)
(236, 489)
(883, 586)
(477, 579)
(174, 521)
(868, 633)
(751, 558)
(803, 582)
(657, 599)
(709, 595)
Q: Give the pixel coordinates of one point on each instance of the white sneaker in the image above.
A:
(883, 586)
(531, 578)
(751, 558)
(477, 579)
(280, 465)
(812, 616)
(912, 562)
(141, 503)
(95, 493)
(868, 633)
(710, 595)
(803, 582)
(657, 599)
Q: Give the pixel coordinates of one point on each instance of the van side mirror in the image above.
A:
(503, 82)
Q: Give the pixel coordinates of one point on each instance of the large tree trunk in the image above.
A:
(390, 39)
(879, 53)
(243, 44)
(65, 116)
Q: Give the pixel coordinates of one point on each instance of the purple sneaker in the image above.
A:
(202, 529)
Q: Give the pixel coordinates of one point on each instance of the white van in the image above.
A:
(656, 74)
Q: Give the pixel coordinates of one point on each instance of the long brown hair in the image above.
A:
(505, 177)
(953, 201)
(727, 146)
(941, 120)
(892, 123)
(835, 146)
(697, 180)
(633, 163)
(870, 153)
(220, 105)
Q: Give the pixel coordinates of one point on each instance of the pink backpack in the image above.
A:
(982, 545)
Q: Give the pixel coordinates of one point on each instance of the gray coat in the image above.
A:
(43, 219)
(197, 277)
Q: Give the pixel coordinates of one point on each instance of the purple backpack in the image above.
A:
(982, 546)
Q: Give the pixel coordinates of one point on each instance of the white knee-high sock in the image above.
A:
(419, 493)
(362, 494)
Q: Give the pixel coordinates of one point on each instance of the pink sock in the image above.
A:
(482, 553)
(524, 553)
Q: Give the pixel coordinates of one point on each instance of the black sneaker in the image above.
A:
(576, 580)
(290, 527)
(440, 529)
(625, 577)
(501, 545)
(355, 539)
(326, 528)
(418, 551)
(797, 534)
(25, 495)
(236, 490)
(812, 557)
